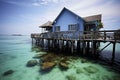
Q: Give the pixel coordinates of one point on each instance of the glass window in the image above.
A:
(73, 27)
(57, 28)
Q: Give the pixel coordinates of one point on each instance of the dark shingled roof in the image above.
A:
(92, 18)
(47, 24)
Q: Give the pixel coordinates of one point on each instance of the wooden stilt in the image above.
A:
(54, 44)
(58, 45)
(48, 44)
(72, 46)
(32, 40)
(67, 46)
(94, 48)
(43, 43)
(113, 53)
(88, 47)
(78, 47)
(84, 47)
(63, 45)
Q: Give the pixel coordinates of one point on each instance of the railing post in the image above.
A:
(104, 35)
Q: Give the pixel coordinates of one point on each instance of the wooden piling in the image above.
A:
(67, 46)
(94, 48)
(88, 47)
(78, 46)
(72, 47)
(84, 48)
(113, 53)
(32, 40)
(48, 44)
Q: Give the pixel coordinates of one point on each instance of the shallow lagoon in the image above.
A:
(15, 51)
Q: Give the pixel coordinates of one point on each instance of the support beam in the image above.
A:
(104, 48)
(113, 53)
(78, 46)
(88, 47)
(48, 44)
(67, 46)
(94, 48)
(72, 46)
(84, 47)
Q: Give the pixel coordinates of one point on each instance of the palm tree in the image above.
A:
(100, 25)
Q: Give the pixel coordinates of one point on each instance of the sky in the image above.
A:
(24, 16)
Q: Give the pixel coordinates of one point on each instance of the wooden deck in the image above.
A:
(102, 36)
(81, 42)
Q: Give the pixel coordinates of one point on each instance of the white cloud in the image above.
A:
(35, 4)
(43, 2)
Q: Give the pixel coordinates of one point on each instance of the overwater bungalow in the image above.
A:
(73, 33)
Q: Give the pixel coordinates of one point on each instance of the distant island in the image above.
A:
(16, 35)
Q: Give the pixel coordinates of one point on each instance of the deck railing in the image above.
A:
(78, 35)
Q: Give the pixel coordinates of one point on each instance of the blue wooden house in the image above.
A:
(69, 21)
(74, 34)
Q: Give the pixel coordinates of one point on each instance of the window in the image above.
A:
(73, 27)
(57, 28)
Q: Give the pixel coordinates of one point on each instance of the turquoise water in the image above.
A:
(15, 51)
(107, 52)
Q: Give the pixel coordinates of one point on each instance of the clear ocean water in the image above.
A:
(15, 51)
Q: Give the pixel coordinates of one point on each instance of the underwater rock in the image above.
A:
(37, 56)
(8, 72)
(90, 69)
(63, 65)
(79, 70)
(31, 63)
(71, 77)
(49, 57)
(47, 65)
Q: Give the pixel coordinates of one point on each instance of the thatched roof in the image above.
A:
(92, 18)
(46, 25)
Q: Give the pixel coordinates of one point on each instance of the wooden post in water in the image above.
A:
(58, 45)
(84, 47)
(67, 46)
(62, 46)
(78, 47)
(72, 46)
(52, 44)
(48, 44)
(94, 48)
(113, 53)
(43, 43)
(32, 40)
(88, 47)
